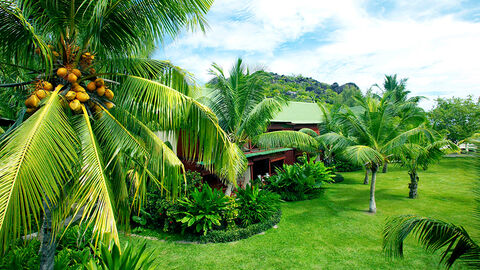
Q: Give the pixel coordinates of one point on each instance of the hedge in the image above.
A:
(222, 236)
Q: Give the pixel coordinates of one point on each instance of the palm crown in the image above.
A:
(76, 148)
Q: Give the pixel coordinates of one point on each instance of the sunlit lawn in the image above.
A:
(335, 232)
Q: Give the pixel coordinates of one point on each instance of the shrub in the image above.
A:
(345, 166)
(256, 205)
(222, 236)
(21, 255)
(203, 210)
(300, 181)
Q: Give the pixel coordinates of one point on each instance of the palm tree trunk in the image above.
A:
(229, 189)
(385, 167)
(365, 180)
(413, 186)
(48, 245)
(373, 205)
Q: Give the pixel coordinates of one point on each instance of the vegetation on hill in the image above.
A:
(299, 88)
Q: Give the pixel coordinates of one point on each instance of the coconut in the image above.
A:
(32, 101)
(62, 72)
(72, 78)
(91, 86)
(80, 89)
(97, 108)
(101, 90)
(109, 105)
(82, 97)
(41, 94)
(77, 72)
(109, 94)
(75, 105)
(99, 82)
(56, 54)
(31, 110)
(47, 86)
(70, 95)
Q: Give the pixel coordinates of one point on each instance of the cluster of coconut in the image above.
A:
(73, 88)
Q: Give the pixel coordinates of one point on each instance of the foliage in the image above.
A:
(231, 213)
(343, 165)
(256, 205)
(299, 181)
(222, 236)
(21, 255)
(299, 88)
(202, 210)
(434, 235)
(131, 258)
(93, 159)
(459, 118)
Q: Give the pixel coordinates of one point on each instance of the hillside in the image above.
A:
(299, 88)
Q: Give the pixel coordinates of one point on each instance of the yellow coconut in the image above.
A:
(77, 72)
(80, 89)
(72, 78)
(99, 82)
(109, 94)
(91, 86)
(31, 110)
(109, 105)
(75, 105)
(41, 94)
(101, 90)
(62, 72)
(32, 101)
(97, 109)
(47, 86)
(70, 95)
(82, 97)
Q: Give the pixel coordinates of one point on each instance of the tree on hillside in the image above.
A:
(458, 117)
(372, 134)
(71, 153)
(244, 112)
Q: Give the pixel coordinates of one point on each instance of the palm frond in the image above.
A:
(33, 167)
(287, 138)
(166, 109)
(309, 131)
(93, 195)
(361, 155)
(434, 235)
(258, 119)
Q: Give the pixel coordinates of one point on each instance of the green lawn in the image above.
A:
(335, 231)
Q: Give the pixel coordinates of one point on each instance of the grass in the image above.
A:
(335, 231)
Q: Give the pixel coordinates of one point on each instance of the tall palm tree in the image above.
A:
(71, 154)
(244, 112)
(372, 135)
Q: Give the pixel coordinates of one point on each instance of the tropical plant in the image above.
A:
(256, 205)
(131, 258)
(244, 112)
(418, 152)
(202, 210)
(299, 181)
(434, 235)
(372, 134)
(73, 152)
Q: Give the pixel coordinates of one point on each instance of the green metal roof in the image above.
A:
(300, 113)
(267, 152)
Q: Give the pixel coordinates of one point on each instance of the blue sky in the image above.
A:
(434, 43)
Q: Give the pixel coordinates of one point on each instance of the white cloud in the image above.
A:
(438, 53)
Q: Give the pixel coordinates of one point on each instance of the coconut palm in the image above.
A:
(71, 153)
(418, 152)
(372, 135)
(244, 112)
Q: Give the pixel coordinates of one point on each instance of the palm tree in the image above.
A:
(71, 154)
(418, 152)
(244, 112)
(372, 135)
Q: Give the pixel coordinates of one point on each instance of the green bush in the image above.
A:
(222, 236)
(21, 255)
(256, 205)
(299, 181)
(341, 165)
(202, 210)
